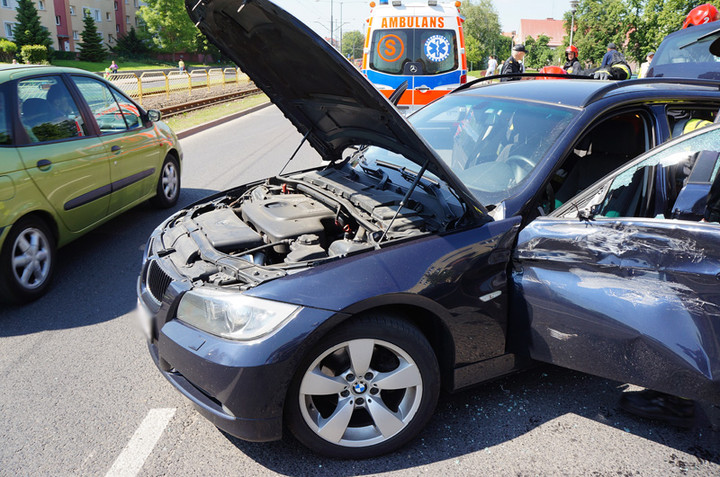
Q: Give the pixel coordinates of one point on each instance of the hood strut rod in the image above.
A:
(296, 151)
(404, 199)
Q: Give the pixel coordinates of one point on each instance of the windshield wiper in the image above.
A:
(407, 174)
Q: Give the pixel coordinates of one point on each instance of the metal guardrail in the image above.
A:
(158, 82)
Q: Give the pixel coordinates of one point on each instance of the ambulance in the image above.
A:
(420, 42)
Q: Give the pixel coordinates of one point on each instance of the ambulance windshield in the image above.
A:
(414, 51)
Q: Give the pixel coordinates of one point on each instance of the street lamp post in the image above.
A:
(573, 6)
(332, 29)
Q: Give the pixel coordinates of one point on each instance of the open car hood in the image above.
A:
(317, 89)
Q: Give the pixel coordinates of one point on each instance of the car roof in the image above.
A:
(8, 72)
(579, 93)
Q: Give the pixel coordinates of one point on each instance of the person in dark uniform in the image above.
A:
(513, 64)
(572, 65)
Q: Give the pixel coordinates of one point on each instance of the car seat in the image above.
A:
(613, 143)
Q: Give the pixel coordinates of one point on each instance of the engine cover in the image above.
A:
(288, 216)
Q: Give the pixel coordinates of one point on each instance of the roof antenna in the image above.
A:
(404, 199)
(296, 151)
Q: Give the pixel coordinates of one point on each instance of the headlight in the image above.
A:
(232, 315)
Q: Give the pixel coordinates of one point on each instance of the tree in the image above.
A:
(205, 48)
(352, 44)
(539, 54)
(130, 45)
(482, 29)
(7, 50)
(598, 23)
(28, 30)
(635, 26)
(169, 25)
(91, 46)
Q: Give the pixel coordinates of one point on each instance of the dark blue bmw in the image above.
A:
(490, 229)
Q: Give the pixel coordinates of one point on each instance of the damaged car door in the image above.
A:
(624, 281)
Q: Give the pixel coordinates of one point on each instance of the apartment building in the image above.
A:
(64, 19)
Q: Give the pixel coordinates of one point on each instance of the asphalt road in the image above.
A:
(79, 394)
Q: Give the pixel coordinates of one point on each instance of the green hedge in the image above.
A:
(34, 54)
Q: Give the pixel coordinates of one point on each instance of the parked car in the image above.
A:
(687, 54)
(76, 152)
(339, 300)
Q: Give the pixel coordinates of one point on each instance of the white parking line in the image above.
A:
(133, 456)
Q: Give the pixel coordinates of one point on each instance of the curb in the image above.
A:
(217, 122)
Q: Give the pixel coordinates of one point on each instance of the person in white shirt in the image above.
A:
(492, 66)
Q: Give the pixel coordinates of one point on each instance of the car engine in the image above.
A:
(288, 223)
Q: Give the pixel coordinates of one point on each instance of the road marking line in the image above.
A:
(141, 444)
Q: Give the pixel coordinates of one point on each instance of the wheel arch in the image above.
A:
(47, 218)
(423, 313)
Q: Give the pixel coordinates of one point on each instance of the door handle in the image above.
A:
(115, 148)
(43, 164)
(423, 89)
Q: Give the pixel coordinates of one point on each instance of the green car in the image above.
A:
(74, 152)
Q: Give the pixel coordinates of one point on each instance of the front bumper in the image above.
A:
(240, 386)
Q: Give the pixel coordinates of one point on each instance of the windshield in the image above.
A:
(434, 50)
(493, 145)
(686, 49)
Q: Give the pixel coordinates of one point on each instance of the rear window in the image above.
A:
(690, 48)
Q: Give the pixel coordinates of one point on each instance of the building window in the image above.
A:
(9, 30)
(116, 6)
(127, 19)
(107, 16)
(117, 28)
(41, 5)
(93, 12)
(58, 20)
(110, 38)
(75, 35)
(6, 3)
(72, 10)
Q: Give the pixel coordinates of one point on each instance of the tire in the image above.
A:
(27, 261)
(364, 390)
(168, 186)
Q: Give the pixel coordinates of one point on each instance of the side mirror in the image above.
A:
(154, 115)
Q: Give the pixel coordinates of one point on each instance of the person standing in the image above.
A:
(492, 66)
(113, 67)
(513, 65)
(646, 64)
(572, 65)
(181, 65)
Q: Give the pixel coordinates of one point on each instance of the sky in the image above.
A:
(316, 13)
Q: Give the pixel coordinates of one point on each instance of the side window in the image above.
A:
(606, 147)
(129, 110)
(670, 183)
(685, 120)
(5, 124)
(47, 110)
(107, 112)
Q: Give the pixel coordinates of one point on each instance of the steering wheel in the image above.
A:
(521, 165)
